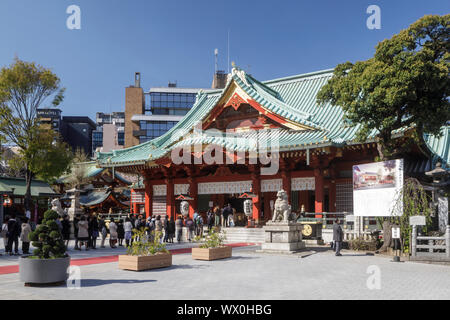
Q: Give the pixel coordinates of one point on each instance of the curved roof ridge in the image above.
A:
(299, 76)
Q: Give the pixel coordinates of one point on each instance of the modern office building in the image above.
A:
(110, 132)
(149, 115)
(51, 117)
(75, 130)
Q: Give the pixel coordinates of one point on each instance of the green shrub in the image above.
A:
(213, 239)
(141, 245)
(47, 238)
(359, 244)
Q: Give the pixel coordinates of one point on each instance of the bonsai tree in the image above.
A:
(213, 239)
(142, 247)
(48, 239)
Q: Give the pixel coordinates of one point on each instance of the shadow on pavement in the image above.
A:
(98, 282)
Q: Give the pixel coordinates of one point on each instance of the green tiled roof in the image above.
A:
(293, 98)
(37, 187)
(92, 171)
(440, 147)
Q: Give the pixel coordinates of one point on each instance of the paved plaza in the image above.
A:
(247, 275)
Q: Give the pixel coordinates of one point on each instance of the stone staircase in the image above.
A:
(244, 235)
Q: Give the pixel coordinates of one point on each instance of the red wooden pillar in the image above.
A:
(148, 198)
(170, 199)
(319, 192)
(193, 192)
(256, 189)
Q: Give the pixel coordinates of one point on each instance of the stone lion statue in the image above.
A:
(56, 206)
(184, 208)
(282, 208)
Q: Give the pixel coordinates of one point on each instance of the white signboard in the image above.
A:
(376, 187)
(395, 233)
(417, 221)
(350, 218)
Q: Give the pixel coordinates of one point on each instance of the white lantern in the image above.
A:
(184, 208)
(248, 207)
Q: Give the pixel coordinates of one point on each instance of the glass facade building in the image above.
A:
(164, 107)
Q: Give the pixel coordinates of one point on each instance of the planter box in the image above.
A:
(43, 271)
(139, 263)
(211, 253)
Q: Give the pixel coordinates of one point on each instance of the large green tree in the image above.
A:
(24, 87)
(405, 85)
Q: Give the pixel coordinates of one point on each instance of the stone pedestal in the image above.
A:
(282, 237)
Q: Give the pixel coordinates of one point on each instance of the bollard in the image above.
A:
(414, 241)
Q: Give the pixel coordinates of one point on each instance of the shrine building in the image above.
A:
(258, 138)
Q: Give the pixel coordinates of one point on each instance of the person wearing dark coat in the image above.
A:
(166, 228)
(14, 229)
(66, 230)
(338, 237)
(171, 229)
(94, 231)
(76, 219)
(120, 232)
(210, 219)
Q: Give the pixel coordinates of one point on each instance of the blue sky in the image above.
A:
(175, 40)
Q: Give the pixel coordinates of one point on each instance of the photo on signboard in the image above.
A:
(375, 175)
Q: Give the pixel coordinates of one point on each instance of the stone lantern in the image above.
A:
(440, 202)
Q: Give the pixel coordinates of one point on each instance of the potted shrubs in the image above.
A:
(212, 247)
(145, 254)
(49, 262)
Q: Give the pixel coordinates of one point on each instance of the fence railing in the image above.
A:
(435, 246)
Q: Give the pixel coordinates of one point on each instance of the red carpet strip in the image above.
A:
(107, 259)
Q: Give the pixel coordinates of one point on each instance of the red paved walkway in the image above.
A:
(106, 259)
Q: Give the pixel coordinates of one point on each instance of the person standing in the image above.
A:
(128, 228)
(225, 213)
(179, 227)
(76, 220)
(210, 219)
(171, 229)
(166, 228)
(190, 228)
(217, 216)
(103, 230)
(94, 231)
(83, 233)
(120, 232)
(338, 237)
(26, 229)
(4, 234)
(66, 230)
(13, 234)
(112, 234)
(158, 227)
(199, 226)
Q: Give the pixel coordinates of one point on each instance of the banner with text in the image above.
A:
(376, 187)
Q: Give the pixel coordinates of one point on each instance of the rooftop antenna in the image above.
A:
(228, 54)
(216, 53)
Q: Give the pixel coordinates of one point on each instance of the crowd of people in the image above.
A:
(86, 229)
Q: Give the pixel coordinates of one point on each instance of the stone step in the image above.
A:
(249, 235)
